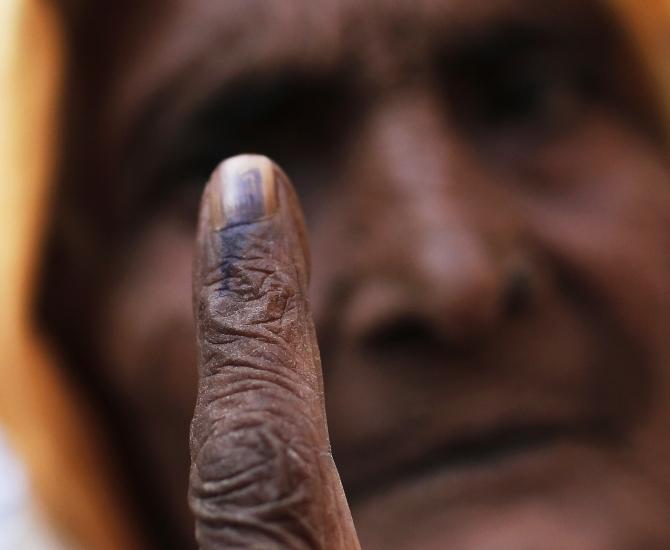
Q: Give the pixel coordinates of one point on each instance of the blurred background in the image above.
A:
(75, 78)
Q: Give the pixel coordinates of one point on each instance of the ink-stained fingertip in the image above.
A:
(243, 189)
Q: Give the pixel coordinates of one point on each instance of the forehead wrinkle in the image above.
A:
(443, 21)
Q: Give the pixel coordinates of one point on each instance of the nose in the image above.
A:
(440, 259)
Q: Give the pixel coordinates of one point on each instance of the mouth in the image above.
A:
(485, 450)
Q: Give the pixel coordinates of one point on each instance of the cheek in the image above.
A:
(607, 223)
(149, 341)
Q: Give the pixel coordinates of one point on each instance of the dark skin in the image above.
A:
(488, 211)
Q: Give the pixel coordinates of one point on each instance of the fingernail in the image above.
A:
(243, 190)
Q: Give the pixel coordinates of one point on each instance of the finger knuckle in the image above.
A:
(254, 472)
(252, 282)
(249, 260)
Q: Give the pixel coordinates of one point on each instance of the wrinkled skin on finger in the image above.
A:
(262, 474)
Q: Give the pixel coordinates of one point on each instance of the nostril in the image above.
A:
(518, 294)
(410, 336)
(401, 333)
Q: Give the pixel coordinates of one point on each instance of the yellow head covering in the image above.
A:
(46, 422)
(648, 22)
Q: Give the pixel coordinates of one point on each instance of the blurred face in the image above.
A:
(489, 213)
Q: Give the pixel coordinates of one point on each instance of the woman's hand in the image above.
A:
(262, 474)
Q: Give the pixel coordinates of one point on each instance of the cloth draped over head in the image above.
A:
(649, 26)
(46, 420)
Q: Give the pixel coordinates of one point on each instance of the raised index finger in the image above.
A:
(262, 474)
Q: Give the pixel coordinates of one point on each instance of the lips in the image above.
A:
(483, 450)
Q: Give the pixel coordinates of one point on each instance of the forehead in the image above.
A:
(199, 42)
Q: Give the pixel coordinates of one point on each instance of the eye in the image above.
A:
(299, 123)
(516, 82)
(528, 94)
